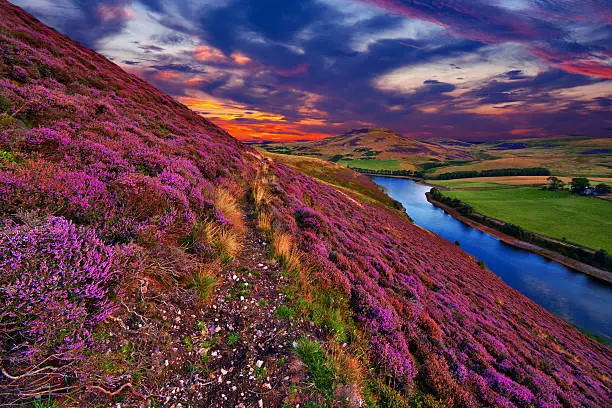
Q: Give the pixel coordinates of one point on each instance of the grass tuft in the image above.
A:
(227, 241)
(205, 282)
(264, 222)
(285, 312)
(322, 371)
(228, 205)
(285, 252)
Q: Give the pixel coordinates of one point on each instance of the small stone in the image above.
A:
(259, 363)
(224, 371)
(260, 403)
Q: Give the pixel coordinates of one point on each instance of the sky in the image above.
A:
(305, 69)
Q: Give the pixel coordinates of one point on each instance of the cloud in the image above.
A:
(471, 69)
(543, 25)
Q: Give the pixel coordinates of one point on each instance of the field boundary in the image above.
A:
(510, 240)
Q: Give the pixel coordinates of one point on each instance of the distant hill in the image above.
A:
(379, 148)
(383, 149)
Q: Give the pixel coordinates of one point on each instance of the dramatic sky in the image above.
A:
(303, 69)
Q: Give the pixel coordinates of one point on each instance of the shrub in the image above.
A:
(59, 282)
(308, 219)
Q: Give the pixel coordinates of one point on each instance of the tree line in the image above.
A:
(527, 171)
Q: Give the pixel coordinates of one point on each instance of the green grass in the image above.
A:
(204, 285)
(582, 220)
(284, 312)
(233, 338)
(462, 184)
(322, 372)
(374, 164)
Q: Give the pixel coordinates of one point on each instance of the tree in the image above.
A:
(579, 184)
(603, 189)
(555, 183)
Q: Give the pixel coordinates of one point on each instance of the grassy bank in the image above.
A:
(581, 220)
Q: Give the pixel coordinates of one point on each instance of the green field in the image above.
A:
(582, 220)
(463, 184)
(373, 164)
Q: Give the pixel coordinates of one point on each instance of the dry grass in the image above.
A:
(348, 366)
(264, 222)
(282, 245)
(229, 207)
(227, 241)
(259, 192)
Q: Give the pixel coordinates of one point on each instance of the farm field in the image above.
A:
(383, 149)
(582, 220)
(497, 182)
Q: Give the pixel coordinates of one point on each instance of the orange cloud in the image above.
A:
(528, 132)
(206, 53)
(271, 131)
(251, 124)
(240, 59)
(297, 70)
(167, 76)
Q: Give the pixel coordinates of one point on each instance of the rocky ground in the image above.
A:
(235, 350)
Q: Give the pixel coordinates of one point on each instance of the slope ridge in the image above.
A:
(136, 191)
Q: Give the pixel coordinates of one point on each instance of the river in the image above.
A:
(577, 298)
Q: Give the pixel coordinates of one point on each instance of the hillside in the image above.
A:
(150, 259)
(378, 149)
(375, 148)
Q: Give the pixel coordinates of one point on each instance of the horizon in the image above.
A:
(462, 70)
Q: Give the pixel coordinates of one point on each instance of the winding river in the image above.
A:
(577, 298)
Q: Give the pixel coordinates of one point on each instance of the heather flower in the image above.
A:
(59, 282)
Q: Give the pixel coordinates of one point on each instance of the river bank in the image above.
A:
(510, 240)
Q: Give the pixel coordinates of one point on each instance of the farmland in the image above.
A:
(581, 220)
(382, 149)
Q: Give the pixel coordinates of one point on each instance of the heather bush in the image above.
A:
(59, 281)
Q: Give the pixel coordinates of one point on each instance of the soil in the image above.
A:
(232, 351)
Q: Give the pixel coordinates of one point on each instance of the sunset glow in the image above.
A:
(305, 70)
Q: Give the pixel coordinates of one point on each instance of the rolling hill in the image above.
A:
(150, 259)
(377, 149)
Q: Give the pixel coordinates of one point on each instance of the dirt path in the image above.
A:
(235, 350)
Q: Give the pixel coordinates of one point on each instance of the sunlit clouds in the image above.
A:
(279, 70)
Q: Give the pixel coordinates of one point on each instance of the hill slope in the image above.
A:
(135, 266)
